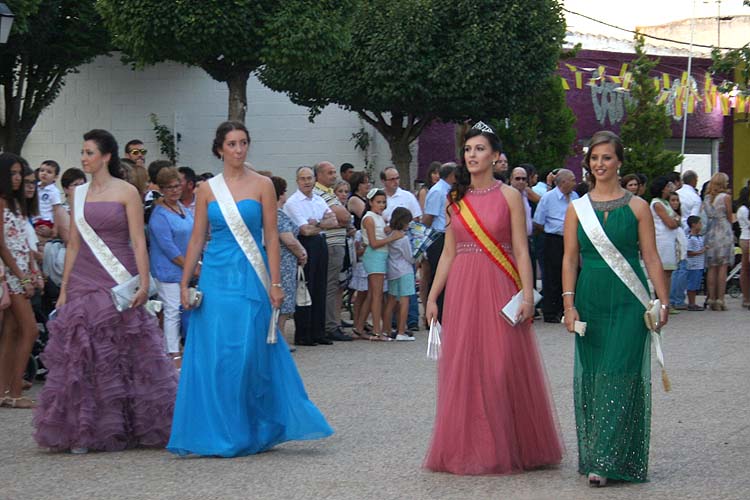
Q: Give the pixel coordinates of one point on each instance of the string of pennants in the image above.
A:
(710, 97)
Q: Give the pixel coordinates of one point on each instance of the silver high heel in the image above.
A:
(597, 481)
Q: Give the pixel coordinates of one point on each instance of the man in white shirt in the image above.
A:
(311, 213)
(690, 204)
(397, 197)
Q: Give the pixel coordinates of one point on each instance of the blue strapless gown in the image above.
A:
(237, 395)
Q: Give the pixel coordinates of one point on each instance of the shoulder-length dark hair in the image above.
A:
(14, 199)
(463, 177)
(106, 144)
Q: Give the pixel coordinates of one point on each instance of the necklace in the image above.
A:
(177, 210)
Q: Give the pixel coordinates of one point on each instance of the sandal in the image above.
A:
(381, 337)
(26, 385)
(22, 403)
(597, 481)
(360, 336)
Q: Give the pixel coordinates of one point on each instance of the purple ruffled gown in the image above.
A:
(110, 384)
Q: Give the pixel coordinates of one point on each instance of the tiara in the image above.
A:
(483, 127)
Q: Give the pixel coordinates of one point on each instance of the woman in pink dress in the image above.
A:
(494, 411)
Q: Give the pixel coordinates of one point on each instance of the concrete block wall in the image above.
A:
(108, 94)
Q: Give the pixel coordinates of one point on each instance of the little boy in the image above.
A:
(49, 195)
(695, 260)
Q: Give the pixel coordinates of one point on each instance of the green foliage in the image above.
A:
(166, 138)
(401, 64)
(223, 37)
(50, 39)
(542, 132)
(647, 124)
(726, 64)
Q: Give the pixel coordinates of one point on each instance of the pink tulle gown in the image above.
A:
(494, 411)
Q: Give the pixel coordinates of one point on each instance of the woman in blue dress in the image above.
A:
(238, 395)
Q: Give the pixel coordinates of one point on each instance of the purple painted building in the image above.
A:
(595, 82)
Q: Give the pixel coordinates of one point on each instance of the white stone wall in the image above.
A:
(107, 94)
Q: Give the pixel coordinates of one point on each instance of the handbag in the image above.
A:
(127, 285)
(302, 298)
(513, 307)
(651, 316)
(122, 294)
(195, 297)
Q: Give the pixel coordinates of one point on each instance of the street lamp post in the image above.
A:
(6, 22)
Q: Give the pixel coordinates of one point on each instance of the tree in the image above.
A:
(399, 64)
(733, 60)
(541, 133)
(49, 40)
(647, 123)
(223, 38)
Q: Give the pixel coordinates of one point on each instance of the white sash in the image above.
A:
(245, 240)
(102, 252)
(615, 260)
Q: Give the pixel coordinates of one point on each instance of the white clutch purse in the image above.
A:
(195, 297)
(652, 315)
(513, 307)
(122, 294)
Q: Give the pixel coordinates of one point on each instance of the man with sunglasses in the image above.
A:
(135, 150)
(519, 180)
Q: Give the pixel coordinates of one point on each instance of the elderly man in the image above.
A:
(519, 178)
(550, 217)
(313, 216)
(690, 204)
(325, 174)
(500, 170)
(434, 217)
(397, 197)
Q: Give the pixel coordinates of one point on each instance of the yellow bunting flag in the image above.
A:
(616, 79)
(708, 103)
(629, 77)
(678, 108)
(665, 78)
(657, 84)
(602, 70)
(623, 70)
(691, 104)
(565, 85)
(707, 83)
(662, 97)
(724, 100)
(742, 103)
(579, 80)
(571, 67)
(684, 78)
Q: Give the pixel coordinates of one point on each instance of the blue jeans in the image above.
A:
(679, 284)
(413, 317)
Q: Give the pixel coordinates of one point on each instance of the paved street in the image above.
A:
(380, 400)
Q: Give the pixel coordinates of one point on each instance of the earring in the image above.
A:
(221, 156)
(494, 163)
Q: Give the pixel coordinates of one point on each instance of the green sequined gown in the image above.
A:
(612, 378)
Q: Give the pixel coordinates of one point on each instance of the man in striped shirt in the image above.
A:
(325, 176)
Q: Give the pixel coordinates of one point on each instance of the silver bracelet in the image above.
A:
(568, 293)
(277, 285)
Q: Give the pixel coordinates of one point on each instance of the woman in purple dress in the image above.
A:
(110, 385)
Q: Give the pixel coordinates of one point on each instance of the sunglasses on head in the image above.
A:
(138, 152)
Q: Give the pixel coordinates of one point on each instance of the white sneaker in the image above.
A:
(79, 451)
(402, 337)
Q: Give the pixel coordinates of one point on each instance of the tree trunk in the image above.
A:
(237, 84)
(401, 157)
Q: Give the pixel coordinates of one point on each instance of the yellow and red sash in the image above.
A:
(484, 239)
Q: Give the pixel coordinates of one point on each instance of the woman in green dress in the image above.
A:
(612, 381)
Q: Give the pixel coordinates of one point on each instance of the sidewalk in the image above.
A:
(380, 400)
